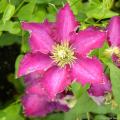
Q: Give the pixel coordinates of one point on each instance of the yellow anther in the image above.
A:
(63, 54)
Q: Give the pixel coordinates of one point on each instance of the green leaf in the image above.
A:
(39, 15)
(56, 2)
(25, 13)
(115, 79)
(99, 12)
(3, 4)
(101, 117)
(75, 5)
(17, 62)
(12, 112)
(2, 115)
(11, 27)
(85, 104)
(9, 39)
(8, 13)
(25, 44)
(51, 16)
(108, 3)
(18, 83)
(55, 116)
(78, 90)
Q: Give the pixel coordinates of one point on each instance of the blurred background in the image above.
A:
(14, 41)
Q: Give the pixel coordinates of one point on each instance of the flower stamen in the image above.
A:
(63, 54)
(112, 50)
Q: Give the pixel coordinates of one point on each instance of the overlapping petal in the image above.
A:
(87, 40)
(113, 31)
(32, 26)
(66, 23)
(32, 62)
(87, 70)
(36, 102)
(32, 78)
(100, 89)
(34, 105)
(55, 80)
(36, 88)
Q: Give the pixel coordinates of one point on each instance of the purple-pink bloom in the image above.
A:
(113, 37)
(100, 89)
(60, 54)
(113, 31)
(36, 102)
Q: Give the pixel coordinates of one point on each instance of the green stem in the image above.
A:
(88, 116)
(20, 5)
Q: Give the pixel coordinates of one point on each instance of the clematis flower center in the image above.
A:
(112, 50)
(63, 54)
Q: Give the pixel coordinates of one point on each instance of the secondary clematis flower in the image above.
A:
(99, 91)
(36, 102)
(59, 53)
(113, 37)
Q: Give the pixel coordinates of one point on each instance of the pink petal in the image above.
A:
(66, 23)
(113, 31)
(87, 40)
(36, 88)
(86, 70)
(100, 89)
(55, 80)
(41, 41)
(31, 26)
(40, 35)
(35, 105)
(32, 78)
(33, 62)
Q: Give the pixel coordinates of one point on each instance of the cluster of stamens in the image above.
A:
(113, 51)
(63, 54)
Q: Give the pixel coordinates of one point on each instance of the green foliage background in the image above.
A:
(88, 12)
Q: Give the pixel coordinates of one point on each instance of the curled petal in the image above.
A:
(32, 62)
(32, 78)
(113, 31)
(36, 106)
(86, 70)
(100, 89)
(66, 23)
(55, 80)
(87, 40)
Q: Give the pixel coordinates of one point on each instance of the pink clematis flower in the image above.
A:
(36, 102)
(60, 54)
(100, 89)
(113, 37)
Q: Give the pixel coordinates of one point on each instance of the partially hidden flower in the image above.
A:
(36, 102)
(99, 91)
(60, 54)
(113, 37)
